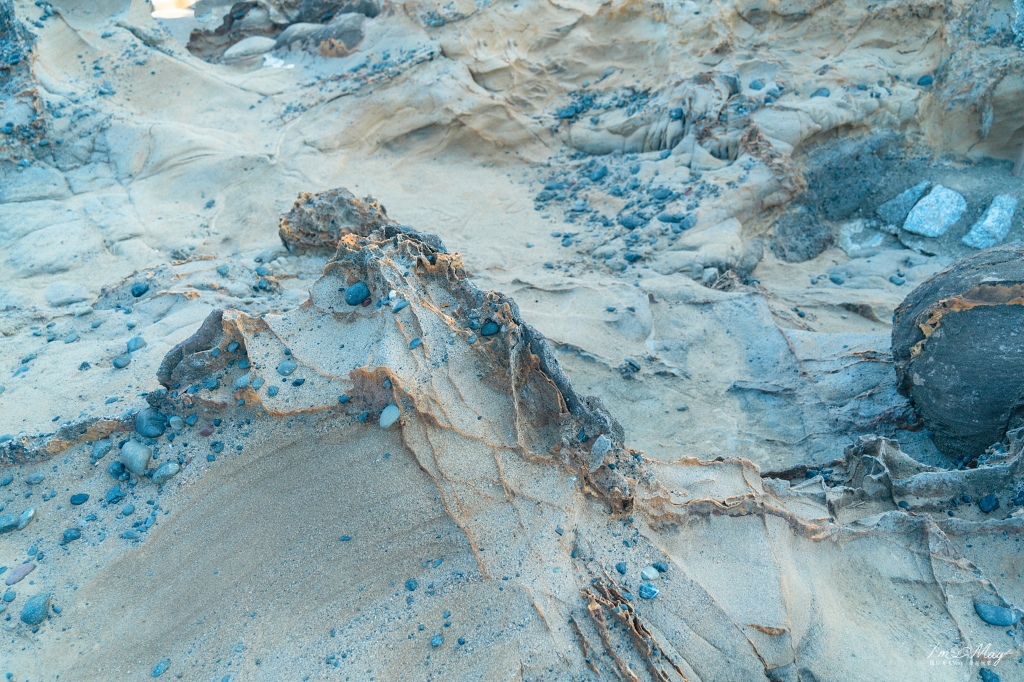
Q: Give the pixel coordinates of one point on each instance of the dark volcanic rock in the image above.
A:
(959, 352)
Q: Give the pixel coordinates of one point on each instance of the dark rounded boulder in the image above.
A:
(958, 349)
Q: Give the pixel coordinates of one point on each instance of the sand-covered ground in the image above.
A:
(630, 271)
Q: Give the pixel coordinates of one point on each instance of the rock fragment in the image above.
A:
(896, 210)
(389, 415)
(997, 615)
(318, 221)
(936, 213)
(165, 472)
(135, 457)
(36, 609)
(994, 224)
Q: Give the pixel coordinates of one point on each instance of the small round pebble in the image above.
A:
(136, 343)
(415, 343)
(649, 573)
(36, 609)
(139, 288)
(128, 510)
(436, 641)
(79, 498)
(411, 584)
(135, 457)
(648, 590)
(286, 367)
(490, 329)
(70, 535)
(150, 423)
(161, 667)
(621, 567)
(121, 361)
(35, 478)
(357, 293)
(389, 415)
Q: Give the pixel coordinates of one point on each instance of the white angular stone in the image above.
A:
(598, 450)
(936, 213)
(994, 225)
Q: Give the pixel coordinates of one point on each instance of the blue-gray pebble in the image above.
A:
(357, 293)
(150, 423)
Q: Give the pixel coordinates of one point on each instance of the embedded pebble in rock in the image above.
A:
(649, 573)
(150, 423)
(257, 383)
(136, 343)
(36, 609)
(79, 498)
(436, 641)
(994, 225)
(128, 510)
(286, 367)
(176, 423)
(997, 615)
(7, 479)
(411, 584)
(121, 361)
(222, 270)
(357, 293)
(389, 415)
(989, 503)
(987, 675)
(896, 210)
(598, 451)
(206, 431)
(26, 517)
(116, 469)
(165, 472)
(621, 567)
(243, 382)
(161, 667)
(936, 213)
(19, 573)
(415, 343)
(130, 535)
(71, 338)
(648, 590)
(272, 391)
(399, 305)
(490, 329)
(139, 288)
(9, 596)
(8, 523)
(135, 457)
(100, 448)
(35, 478)
(70, 535)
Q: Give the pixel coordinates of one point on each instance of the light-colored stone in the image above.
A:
(650, 573)
(896, 210)
(994, 225)
(389, 415)
(598, 450)
(249, 47)
(165, 472)
(135, 457)
(936, 213)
